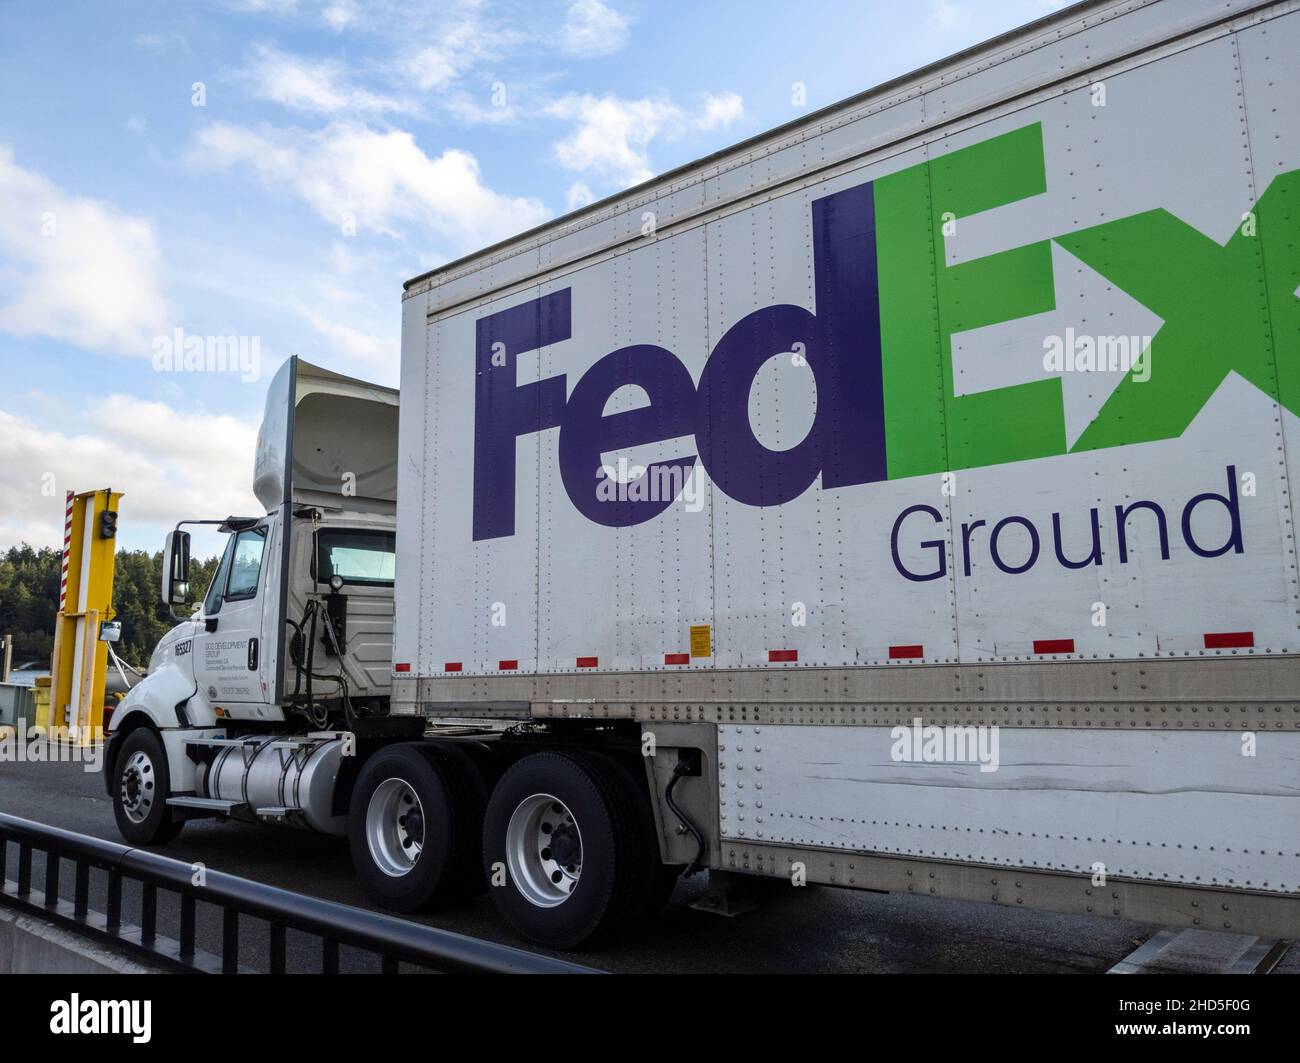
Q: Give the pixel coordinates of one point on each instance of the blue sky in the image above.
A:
(274, 169)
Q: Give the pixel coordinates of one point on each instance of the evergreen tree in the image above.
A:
(29, 600)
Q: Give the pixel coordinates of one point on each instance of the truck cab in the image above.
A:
(294, 634)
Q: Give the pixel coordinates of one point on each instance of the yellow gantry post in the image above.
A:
(80, 663)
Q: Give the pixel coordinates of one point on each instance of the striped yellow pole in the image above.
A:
(79, 665)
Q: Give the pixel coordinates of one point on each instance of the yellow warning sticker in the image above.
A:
(701, 640)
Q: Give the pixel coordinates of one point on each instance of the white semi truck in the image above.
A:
(903, 499)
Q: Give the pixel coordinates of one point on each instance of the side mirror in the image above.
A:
(175, 569)
(110, 631)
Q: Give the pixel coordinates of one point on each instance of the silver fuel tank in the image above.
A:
(280, 778)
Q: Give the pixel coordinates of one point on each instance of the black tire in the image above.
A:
(609, 892)
(487, 763)
(477, 764)
(657, 882)
(447, 867)
(140, 790)
(463, 772)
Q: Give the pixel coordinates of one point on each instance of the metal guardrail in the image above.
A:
(393, 940)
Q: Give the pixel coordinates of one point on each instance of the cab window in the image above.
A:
(212, 601)
(363, 557)
(246, 564)
(237, 575)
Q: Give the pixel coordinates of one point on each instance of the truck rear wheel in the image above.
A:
(565, 829)
(413, 828)
(140, 790)
(657, 884)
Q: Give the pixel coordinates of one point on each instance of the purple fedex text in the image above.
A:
(841, 343)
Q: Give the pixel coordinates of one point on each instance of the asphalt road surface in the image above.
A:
(811, 929)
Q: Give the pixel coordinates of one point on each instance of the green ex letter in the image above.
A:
(923, 301)
(1225, 308)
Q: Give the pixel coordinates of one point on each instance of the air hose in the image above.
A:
(678, 772)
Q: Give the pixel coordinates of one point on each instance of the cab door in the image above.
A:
(229, 655)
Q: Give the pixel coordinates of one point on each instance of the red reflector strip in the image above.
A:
(587, 662)
(507, 666)
(677, 658)
(905, 652)
(1053, 645)
(451, 666)
(1230, 640)
(401, 667)
(773, 656)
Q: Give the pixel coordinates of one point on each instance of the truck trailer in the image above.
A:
(901, 500)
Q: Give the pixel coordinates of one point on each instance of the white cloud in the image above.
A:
(380, 178)
(365, 345)
(471, 110)
(73, 268)
(341, 258)
(579, 195)
(422, 47)
(349, 308)
(340, 14)
(171, 465)
(453, 49)
(318, 86)
(593, 28)
(720, 110)
(612, 135)
(432, 67)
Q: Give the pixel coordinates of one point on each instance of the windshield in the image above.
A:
(365, 557)
(212, 601)
(237, 576)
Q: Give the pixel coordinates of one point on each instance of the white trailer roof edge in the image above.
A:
(948, 70)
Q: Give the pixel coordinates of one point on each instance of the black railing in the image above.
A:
(393, 941)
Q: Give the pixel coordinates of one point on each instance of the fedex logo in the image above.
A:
(878, 342)
(841, 343)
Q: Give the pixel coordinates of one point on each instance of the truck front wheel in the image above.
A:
(413, 828)
(140, 790)
(564, 851)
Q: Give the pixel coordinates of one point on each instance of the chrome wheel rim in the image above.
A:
(544, 850)
(138, 787)
(395, 827)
